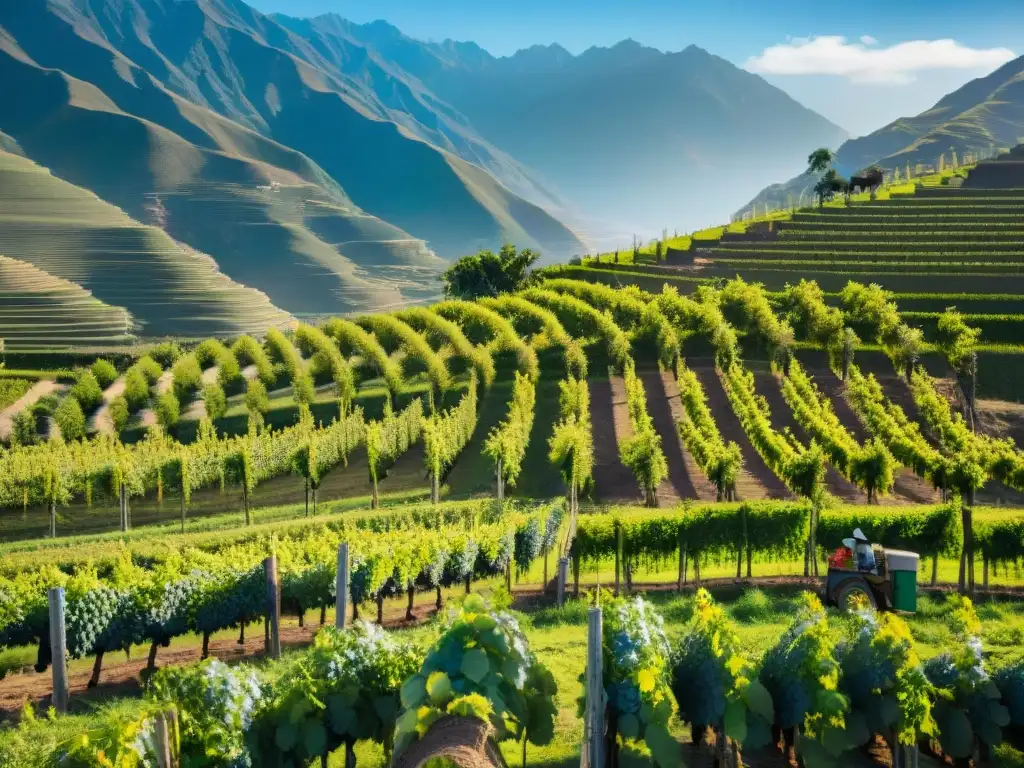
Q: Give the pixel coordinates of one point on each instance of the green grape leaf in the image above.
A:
(736, 721)
(955, 733)
(407, 722)
(999, 715)
(386, 708)
(439, 688)
(475, 665)
(474, 604)
(471, 705)
(663, 710)
(815, 755)
(857, 731)
(888, 710)
(990, 690)
(629, 727)
(314, 737)
(760, 701)
(835, 740)
(664, 748)
(285, 736)
(414, 691)
(484, 622)
(759, 733)
(343, 717)
(990, 733)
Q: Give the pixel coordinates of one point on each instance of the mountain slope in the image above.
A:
(60, 232)
(984, 114)
(225, 57)
(631, 135)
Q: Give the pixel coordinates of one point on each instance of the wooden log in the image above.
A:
(58, 648)
(274, 607)
(341, 587)
(463, 741)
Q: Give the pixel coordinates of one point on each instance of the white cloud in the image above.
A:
(833, 55)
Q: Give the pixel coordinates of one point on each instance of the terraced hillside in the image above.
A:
(937, 248)
(70, 236)
(39, 310)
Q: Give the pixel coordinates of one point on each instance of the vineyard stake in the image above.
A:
(58, 649)
(563, 577)
(273, 648)
(165, 752)
(593, 726)
(341, 587)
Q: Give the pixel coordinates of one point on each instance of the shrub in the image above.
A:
(215, 400)
(149, 368)
(168, 410)
(119, 413)
(105, 372)
(303, 389)
(136, 390)
(166, 353)
(187, 377)
(24, 430)
(70, 419)
(87, 391)
(256, 400)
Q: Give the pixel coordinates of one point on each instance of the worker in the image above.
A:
(862, 551)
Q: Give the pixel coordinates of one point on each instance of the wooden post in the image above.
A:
(274, 608)
(593, 724)
(563, 577)
(163, 729)
(58, 649)
(341, 587)
(682, 567)
(618, 556)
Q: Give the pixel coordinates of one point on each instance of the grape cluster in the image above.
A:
(237, 595)
(697, 682)
(88, 619)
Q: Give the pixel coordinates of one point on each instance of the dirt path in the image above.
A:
(685, 480)
(101, 421)
(610, 422)
(769, 386)
(756, 481)
(35, 393)
(908, 488)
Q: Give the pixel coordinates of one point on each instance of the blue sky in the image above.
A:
(826, 75)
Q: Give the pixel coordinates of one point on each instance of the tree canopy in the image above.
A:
(490, 274)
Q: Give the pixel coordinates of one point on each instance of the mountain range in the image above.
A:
(315, 166)
(984, 114)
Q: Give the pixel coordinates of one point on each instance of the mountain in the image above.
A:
(637, 138)
(984, 114)
(242, 142)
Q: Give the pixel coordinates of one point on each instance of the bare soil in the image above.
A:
(685, 478)
(756, 481)
(610, 423)
(768, 386)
